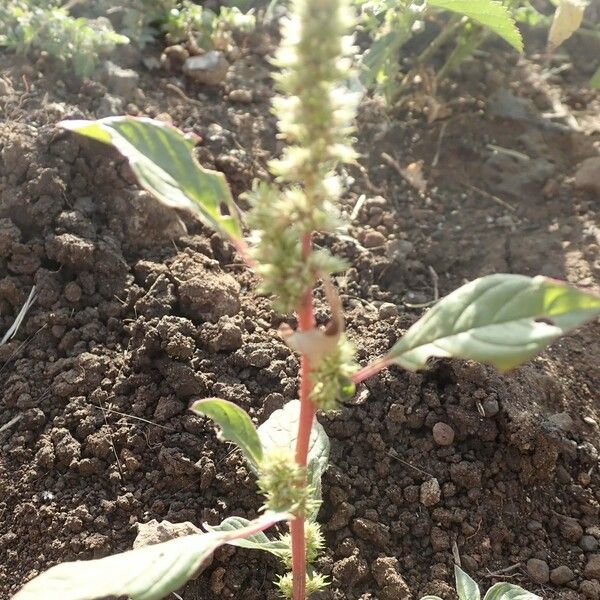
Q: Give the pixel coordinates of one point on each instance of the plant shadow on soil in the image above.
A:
(140, 309)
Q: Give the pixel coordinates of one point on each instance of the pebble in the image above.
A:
(210, 68)
(587, 176)
(588, 543)
(72, 292)
(240, 96)
(491, 407)
(570, 529)
(374, 239)
(443, 434)
(122, 82)
(388, 311)
(592, 568)
(430, 492)
(562, 420)
(538, 570)
(590, 589)
(561, 575)
(534, 525)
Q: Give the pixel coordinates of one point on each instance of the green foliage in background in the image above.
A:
(40, 26)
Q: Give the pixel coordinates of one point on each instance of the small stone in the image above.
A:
(561, 575)
(443, 434)
(587, 176)
(240, 96)
(538, 570)
(562, 420)
(122, 82)
(109, 106)
(490, 407)
(592, 568)
(588, 543)
(176, 55)
(210, 68)
(534, 525)
(590, 589)
(590, 421)
(72, 292)
(388, 311)
(430, 493)
(374, 239)
(570, 529)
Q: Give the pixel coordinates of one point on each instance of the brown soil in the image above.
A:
(140, 309)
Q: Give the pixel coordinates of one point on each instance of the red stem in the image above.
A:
(371, 370)
(306, 320)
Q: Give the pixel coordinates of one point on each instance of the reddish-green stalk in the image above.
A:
(306, 321)
(371, 369)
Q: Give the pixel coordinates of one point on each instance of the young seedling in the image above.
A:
(502, 320)
(467, 589)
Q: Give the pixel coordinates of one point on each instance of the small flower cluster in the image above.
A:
(283, 483)
(332, 376)
(315, 582)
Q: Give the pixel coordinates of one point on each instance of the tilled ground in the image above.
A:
(140, 309)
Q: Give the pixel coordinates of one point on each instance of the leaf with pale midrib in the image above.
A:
(501, 319)
(235, 425)
(162, 158)
(147, 573)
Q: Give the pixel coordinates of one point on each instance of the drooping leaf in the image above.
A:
(147, 573)
(567, 19)
(466, 588)
(280, 430)
(491, 13)
(501, 319)
(258, 541)
(162, 158)
(235, 425)
(509, 591)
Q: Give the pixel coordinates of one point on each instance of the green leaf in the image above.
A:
(501, 319)
(280, 430)
(509, 591)
(595, 80)
(162, 159)
(258, 541)
(466, 588)
(490, 13)
(235, 425)
(147, 573)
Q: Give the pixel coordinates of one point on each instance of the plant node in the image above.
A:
(283, 483)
